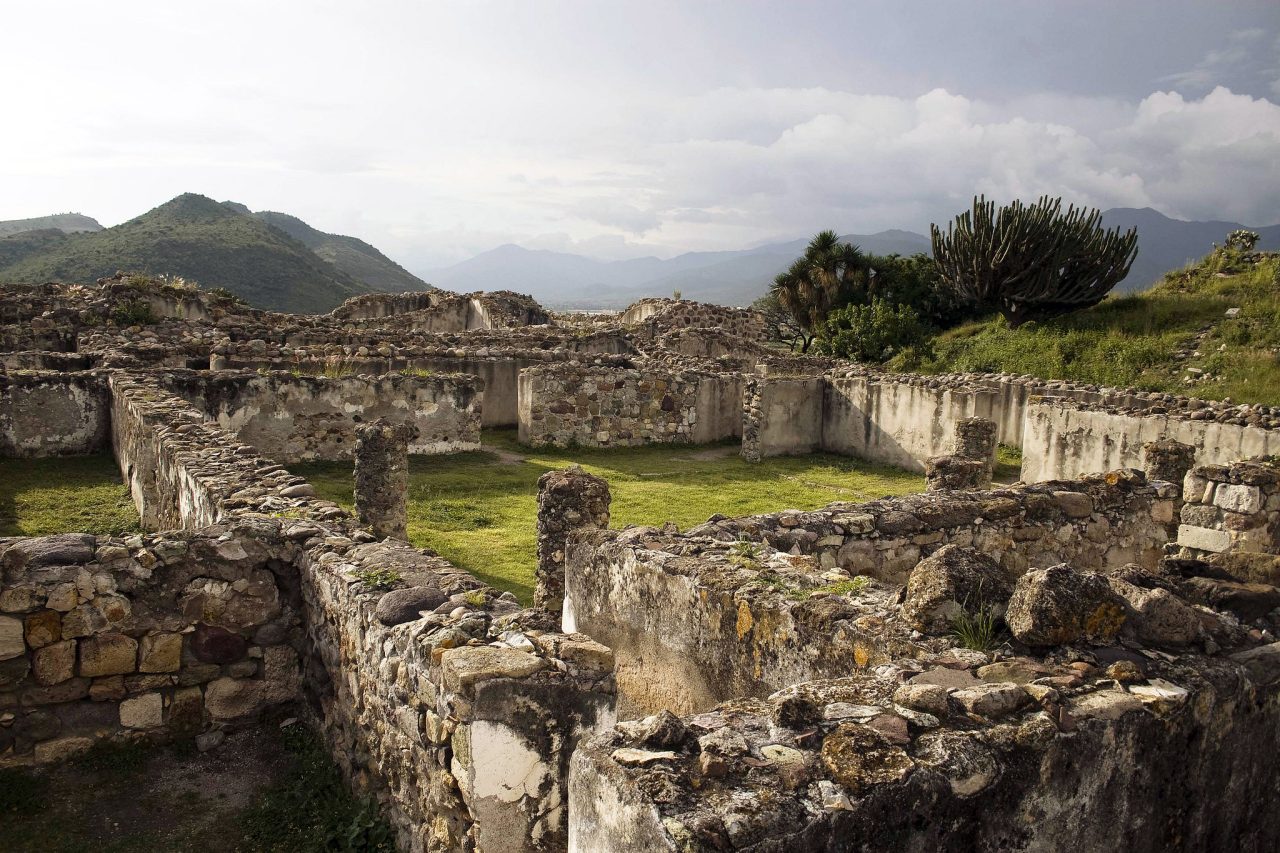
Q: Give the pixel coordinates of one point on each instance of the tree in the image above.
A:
(871, 332)
(1032, 262)
(829, 274)
(780, 326)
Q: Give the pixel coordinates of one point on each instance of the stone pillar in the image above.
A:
(976, 439)
(1168, 460)
(942, 473)
(382, 476)
(567, 500)
(751, 417)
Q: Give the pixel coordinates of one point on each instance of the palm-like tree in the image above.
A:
(828, 275)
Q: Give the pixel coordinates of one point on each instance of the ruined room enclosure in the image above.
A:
(1086, 658)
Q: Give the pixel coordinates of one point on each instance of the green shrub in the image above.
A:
(871, 333)
(136, 312)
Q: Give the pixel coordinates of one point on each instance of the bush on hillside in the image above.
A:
(873, 332)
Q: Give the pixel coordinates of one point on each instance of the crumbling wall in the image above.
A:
(184, 472)
(728, 610)
(1231, 510)
(1065, 439)
(456, 708)
(593, 406)
(53, 414)
(164, 635)
(659, 316)
(781, 416)
(292, 418)
(1051, 761)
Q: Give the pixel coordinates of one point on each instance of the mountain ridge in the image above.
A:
(738, 277)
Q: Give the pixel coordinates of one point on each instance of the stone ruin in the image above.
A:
(823, 680)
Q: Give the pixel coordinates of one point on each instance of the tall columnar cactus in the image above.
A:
(1032, 261)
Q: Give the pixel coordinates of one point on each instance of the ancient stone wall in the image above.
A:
(1049, 761)
(658, 316)
(53, 414)
(187, 473)
(1065, 439)
(161, 636)
(459, 710)
(727, 610)
(591, 406)
(1232, 509)
(292, 418)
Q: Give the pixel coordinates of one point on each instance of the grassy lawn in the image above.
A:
(1132, 341)
(69, 494)
(478, 509)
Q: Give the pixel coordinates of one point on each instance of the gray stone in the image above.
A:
(406, 605)
(1057, 606)
(992, 700)
(12, 644)
(953, 581)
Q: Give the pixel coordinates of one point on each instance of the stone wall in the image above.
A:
(592, 406)
(1232, 513)
(459, 710)
(53, 414)
(157, 636)
(664, 315)
(187, 473)
(781, 416)
(1051, 761)
(292, 418)
(1065, 439)
(728, 610)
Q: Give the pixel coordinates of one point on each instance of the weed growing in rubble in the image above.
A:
(379, 578)
(980, 631)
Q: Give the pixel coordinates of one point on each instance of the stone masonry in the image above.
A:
(382, 477)
(568, 500)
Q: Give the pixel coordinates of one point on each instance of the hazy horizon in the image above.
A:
(628, 130)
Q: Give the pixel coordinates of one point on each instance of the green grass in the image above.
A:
(479, 511)
(69, 494)
(1132, 340)
(1008, 467)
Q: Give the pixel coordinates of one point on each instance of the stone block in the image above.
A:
(12, 644)
(43, 628)
(54, 663)
(1238, 498)
(228, 698)
(186, 711)
(108, 654)
(142, 712)
(160, 653)
(467, 666)
(108, 689)
(1204, 538)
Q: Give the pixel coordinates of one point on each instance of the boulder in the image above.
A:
(954, 580)
(1058, 605)
(1155, 616)
(1248, 601)
(406, 605)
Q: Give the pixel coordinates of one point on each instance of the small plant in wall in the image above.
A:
(378, 578)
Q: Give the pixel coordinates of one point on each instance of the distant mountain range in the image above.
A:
(277, 261)
(272, 260)
(562, 280)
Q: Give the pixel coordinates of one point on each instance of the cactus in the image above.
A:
(1032, 262)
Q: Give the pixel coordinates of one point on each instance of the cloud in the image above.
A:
(1241, 61)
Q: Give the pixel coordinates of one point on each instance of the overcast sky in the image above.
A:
(439, 130)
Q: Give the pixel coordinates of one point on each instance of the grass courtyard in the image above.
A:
(478, 509)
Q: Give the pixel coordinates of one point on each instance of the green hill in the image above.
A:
(353, 256)
(1181, 336)
(199, 239)
(68, 223)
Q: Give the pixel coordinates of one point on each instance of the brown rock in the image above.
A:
(107, 654)
(859, 757)
(215, 644)
(1058, 605)
(54, 663)
(43, 628)
(160, 653)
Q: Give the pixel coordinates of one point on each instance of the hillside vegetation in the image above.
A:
(198, 239)
(67, 223)
(1175, 337)
(353, 256)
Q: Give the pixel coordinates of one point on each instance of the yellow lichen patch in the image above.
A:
(744, 619)
(861, 655)
(1104, 622)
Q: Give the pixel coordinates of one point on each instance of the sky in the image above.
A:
(438, 130)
